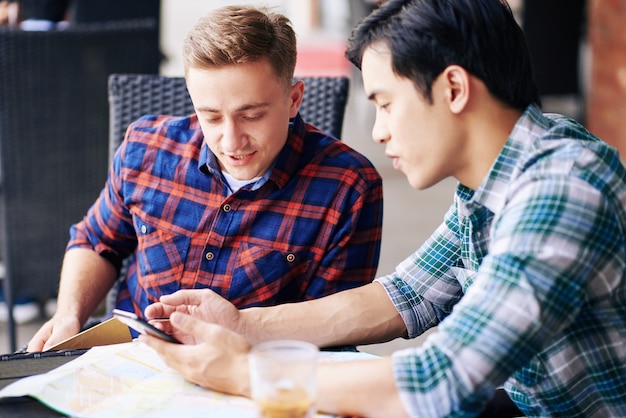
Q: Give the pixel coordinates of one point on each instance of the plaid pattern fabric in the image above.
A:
(310, 228)
(526, 280)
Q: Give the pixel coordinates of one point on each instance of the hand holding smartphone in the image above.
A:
(142, 326)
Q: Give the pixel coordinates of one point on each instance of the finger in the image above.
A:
(182, 358)
(191, 325)
(53, 340)
(163, 325)
(187, 297)
(36, 343)
(58, 330)
(207, 332)
(169, 354)
(176, 356)
(157, 310)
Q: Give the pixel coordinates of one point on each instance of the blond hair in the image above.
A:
(242, 34)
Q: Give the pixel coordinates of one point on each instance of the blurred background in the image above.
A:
(577, 48)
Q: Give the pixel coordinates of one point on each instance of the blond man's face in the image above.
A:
(244, 113)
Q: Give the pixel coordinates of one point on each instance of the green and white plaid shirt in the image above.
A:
(526, 281)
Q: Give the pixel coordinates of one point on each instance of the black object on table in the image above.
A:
(19, 365)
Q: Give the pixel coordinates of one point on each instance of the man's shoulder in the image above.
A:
(159, 130)
(336, 158)
(326, 150)
(561, 148)
(154, 123)
(172, 134)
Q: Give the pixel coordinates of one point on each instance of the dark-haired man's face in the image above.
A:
(418, 135)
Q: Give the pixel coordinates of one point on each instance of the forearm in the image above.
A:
(86, 277)
(363, 315)
(359, 388)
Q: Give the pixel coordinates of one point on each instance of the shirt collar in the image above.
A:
(283, 167)
(492, 191)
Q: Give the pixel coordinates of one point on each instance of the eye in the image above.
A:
(253, 117)
(213, 119)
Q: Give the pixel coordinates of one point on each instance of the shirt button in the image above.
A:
(291, 258)
(226, 208)
(209, 256)
(144, 229)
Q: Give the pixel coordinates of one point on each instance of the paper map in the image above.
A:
(131, 380)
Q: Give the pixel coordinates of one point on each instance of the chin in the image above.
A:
(421, 183)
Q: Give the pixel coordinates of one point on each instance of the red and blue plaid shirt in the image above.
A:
(312, 228)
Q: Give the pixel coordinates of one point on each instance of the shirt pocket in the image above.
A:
(161, 257)
(265, 275)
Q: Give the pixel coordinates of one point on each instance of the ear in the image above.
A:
(296, 93)
(457, 81)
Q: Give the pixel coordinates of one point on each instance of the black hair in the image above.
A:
(426, 36)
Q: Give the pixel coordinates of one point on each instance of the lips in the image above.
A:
(240, 159)
(394, 160)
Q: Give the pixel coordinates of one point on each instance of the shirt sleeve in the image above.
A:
(546, 243)
(107, 227)
(425, 287)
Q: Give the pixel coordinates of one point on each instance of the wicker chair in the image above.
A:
(134, 95)
(54, 139)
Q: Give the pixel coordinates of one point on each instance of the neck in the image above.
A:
(489, 127)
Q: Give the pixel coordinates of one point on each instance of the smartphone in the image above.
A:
(142, 326)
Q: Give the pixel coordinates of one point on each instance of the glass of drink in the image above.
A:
(282, 378)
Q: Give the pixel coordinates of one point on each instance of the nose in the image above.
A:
(380, 133)
(233, 139)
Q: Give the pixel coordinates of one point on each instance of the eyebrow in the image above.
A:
(243, 108)
(372, 96)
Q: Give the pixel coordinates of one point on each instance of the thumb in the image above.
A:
(189, 325)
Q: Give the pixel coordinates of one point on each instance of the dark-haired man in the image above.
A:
(525, 278)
